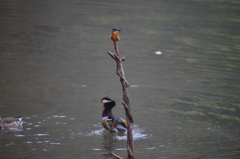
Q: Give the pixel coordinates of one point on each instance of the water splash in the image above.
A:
(93, 133)
(137, 133)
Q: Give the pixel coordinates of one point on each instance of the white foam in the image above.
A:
(137, 134)
(95, 132)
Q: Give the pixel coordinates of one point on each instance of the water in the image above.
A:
(182, 61)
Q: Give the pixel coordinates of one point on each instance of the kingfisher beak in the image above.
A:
(118, 30)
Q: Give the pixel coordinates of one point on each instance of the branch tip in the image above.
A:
(116, 156)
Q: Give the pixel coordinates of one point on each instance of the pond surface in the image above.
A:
(182, 61)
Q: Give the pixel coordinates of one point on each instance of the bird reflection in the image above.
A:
(109, 143)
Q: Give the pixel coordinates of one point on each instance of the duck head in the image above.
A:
(108, 103)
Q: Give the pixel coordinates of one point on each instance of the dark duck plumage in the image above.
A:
(11, 122)
(109, 121)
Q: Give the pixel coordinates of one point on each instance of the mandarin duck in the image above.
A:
(11, 122)
(109, 121)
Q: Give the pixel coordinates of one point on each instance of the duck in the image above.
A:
(11, 122)
(109, 121)
(114, 36)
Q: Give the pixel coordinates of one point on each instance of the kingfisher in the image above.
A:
(114, 36)
(11, 122)
(109, 121)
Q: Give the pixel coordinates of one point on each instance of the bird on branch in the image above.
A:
(114, 36)
(109, 121)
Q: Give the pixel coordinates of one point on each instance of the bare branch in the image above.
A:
(125, 100)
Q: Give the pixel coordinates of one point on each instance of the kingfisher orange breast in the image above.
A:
(114, 36)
